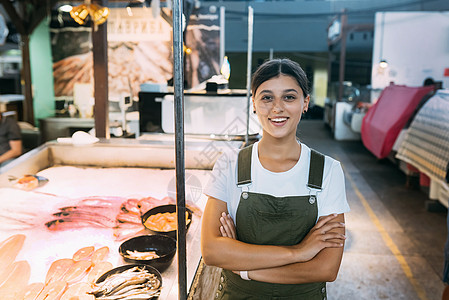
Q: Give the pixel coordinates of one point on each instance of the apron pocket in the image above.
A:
(275, 228)
(268, 228)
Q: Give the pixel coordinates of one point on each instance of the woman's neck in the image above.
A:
(278, 155)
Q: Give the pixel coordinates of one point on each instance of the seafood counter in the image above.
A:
(62, 232)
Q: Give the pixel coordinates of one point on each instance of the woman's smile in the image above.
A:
(278, 121)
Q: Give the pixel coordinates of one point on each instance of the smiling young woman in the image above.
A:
(274, 220)
(279, 103)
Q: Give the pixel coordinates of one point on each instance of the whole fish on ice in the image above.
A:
(134, 283)
(17, 279)
(10, 248)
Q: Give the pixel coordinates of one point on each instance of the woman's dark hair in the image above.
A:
(275, 67)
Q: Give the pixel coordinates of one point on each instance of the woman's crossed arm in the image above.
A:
(316, 258)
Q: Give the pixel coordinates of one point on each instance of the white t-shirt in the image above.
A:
(223, 182)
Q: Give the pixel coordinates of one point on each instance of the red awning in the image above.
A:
(386, 118)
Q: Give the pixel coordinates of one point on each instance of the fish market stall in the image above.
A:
(89, 197)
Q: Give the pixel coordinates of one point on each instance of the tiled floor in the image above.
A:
(395, 246)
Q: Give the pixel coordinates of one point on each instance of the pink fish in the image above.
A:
(148, 203)
(77, 271)
(17, 279)
(108, 212)
(130, 218)
(31, 291)
(78, 291)
(127, 230)
(86, 215)
(98, 270)
(5, 271)
(83, 253)
(58, 269)
(101, 201)
(99, 255)
(131, 206)
(10, 248)
(52, 291)
(67, 223)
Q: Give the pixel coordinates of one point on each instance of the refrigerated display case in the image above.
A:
(117, 170)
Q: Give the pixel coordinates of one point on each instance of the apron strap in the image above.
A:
(316, 170)
(244, 166)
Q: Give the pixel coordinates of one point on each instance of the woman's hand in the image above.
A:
(227, 227)
(319, 237)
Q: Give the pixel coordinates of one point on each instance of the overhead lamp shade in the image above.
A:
(65, 8)
(80, 13)
(383, 64)
(98, 14)
(187, 50)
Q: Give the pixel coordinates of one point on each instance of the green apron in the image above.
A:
(267, 220)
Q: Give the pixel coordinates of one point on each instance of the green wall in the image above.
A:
(42, 72)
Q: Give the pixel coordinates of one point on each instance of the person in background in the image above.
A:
(10, 139)
(274, 219)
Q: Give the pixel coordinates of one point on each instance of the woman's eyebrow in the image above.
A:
(265, 92)
(284, 91)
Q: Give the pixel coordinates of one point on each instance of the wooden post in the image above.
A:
(100, 57)
(28, 110)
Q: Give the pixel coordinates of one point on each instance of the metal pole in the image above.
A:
(341, 73)
(248, 69)
(222, 34)
(271, 53)
(179, 146)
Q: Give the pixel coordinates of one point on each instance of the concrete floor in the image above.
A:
(395, 246)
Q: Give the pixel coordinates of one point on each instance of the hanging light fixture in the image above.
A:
(65, 8)
(97, 13)
(383, 62)
(79, 13)
(187, 50)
